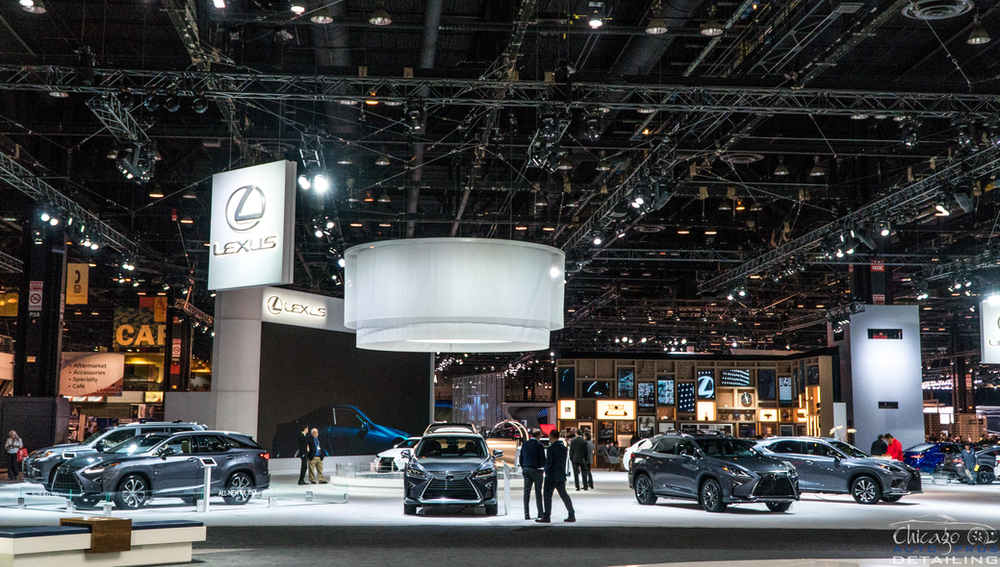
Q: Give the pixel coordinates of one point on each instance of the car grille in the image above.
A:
(450, 489)
(66, 481)
(386, 464)
(914, 483)
(898, 483)
(771, 484)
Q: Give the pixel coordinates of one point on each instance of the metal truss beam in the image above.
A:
(10, 264)
(481, 93)
(18, 177)
(736, 256)
(900, 201)
(117, 119)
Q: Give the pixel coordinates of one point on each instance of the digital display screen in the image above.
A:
(626, 383)
(647, 395)
(665, 392)
(765, 385)
(685, 397)
(567, 381)
(595, 389)
(885, 334)
(706, 384)
(785, 389)
(812, 376)
(735, 377)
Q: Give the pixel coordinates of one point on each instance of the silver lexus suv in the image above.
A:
(450, 469)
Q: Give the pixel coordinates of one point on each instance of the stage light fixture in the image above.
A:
(298, 8)
(322, 16)
(382, 160)
(199, 105)
(978, 36)
(380, 17)
(656, 26)
(782, 169)
(816, 170)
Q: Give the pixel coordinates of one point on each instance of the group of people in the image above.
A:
(888, 446)
(544, 470)
(311, 453)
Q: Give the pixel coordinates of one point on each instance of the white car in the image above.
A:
(391, 460)
(639, 446)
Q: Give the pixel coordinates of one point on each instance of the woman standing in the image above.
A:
(12, 446)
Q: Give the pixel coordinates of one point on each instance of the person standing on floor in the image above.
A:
(532, 461)
(578, 456)
(971, 462)
(590, 461)
(11, 447)
(303, 453)
(894, 448)
(316, 454)
(879, 447)
(555, 478)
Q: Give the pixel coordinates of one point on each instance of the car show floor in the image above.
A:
(359, 521)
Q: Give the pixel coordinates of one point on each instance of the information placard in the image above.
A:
(91, 374)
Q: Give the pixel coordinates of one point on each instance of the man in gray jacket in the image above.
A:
(579, 455)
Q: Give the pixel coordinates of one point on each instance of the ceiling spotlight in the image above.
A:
(541, 200)
(782, 169)
(199, 105)
(53, 221)
(942, 211)
(908, 132)
(379, 17)
(172, 104)
(656, 26)
(978, 36)
(341, 262)
(318, 233)
(32, 6)
(304, 182)
(187, 220)
(816, 171)
(884, 228)
(152, 103)
(330, 224)
(564, 164)
(602, 164)
(58, 94)
(298, 8)
(384, 198)
(596, 19)
(219, 4)
(382, 160)
(94, 246)
(321, 182)
(598, 238)
(345, 160)
(322, 16)
(711, 28)
(45, 217)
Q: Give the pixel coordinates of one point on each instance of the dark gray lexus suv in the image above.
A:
(829, 465)
(715, 470)
(450, 469)
(156, 465)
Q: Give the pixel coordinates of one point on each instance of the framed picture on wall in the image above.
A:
(812, 376)
(706, 384)
(734, 377)
(626, 383)
(665, 392)
(626, 427)
(567, 382)
(685, 397)
(647, 424)
(647, 396)
(606, 431)
(766, 387)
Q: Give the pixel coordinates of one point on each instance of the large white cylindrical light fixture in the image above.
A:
(453, 295)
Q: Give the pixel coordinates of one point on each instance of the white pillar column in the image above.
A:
(236, 360)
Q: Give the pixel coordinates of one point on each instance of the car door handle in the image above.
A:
(192, 459)
(808, 462)
(230, 457)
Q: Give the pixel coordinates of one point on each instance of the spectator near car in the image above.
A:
(580, 458)
(879, 447)
(894, 449)
(532, 461)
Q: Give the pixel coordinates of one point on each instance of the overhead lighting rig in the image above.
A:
(136, 163)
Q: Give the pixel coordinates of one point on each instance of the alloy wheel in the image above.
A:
(134, 492)
(240, 488)
(644, 490)
(864, 490)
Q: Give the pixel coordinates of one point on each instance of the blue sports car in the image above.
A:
(343, 430)
(927, 456)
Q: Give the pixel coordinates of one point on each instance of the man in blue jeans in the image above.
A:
(555, 478)
(532, 461)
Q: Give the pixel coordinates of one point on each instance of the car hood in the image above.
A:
(874, 462)
(66, 447)
(94, 458)
(454, 464)
(758, 464)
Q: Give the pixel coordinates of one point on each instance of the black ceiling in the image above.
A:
(701, 122)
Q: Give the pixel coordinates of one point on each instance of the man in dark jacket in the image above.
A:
(555, 478)
(970, 461)
(580, 457)
(532, 461)
(879, 447)
(316, 454)
(303, 453)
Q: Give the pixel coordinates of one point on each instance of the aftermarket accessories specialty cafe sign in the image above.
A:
(91, 374)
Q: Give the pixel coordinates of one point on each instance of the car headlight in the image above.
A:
(98, 469)
(889, 468)
(40, 456)
(415, 471)
(482, 473)
(735, 471)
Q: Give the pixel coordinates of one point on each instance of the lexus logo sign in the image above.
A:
(277, 306)
(989, 329)
(245, 208)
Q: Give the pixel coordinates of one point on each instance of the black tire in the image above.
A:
(984, 475)
(710, 496)
(239, 489)
(644, 490)
(410, 509)
(866, 490)
(87, 501)
(891, 498)
(132, 493)
(491, 509)
(778, 506)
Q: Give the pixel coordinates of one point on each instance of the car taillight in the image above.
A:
(956, 460)
(265, 456)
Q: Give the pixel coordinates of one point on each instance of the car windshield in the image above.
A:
(849, 450)
(452, 446)
(93, 436)
(919, 448)
(727, 448)
(136, 445)
(408, 444)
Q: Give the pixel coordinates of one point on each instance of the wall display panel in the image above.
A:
(647, 425)
(812, 376)
(766, 387)
(595, 389)
(665, 392)
(785, 389)
(706, 384)
(685, 397)
(802, 376)
(362, 401)
(606, 431)
(647, 396)
(734, 377)
(567, 382)
(626, 382)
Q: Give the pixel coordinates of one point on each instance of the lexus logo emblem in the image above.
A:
(450, 477)
(245, 208)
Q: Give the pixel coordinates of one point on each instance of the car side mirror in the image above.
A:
(167, 451)
(497, 453)
(836, 461)
(99, 447)
(406, 454)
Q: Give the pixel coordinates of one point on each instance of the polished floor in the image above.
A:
(359, 521)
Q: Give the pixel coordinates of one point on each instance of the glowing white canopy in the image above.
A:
(453, 295)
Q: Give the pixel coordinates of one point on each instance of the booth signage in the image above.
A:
(767, 415)
(35, 295)
(616, 409)
(253, 223)
(91, 374)
(989, 328)
(77, 280)
(136, 328)
(300, 309)
(567, 409)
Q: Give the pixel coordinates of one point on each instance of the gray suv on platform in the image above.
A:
(829, 465)
(715, 470)
(41, 465)
(158, 465)
(450, 469)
